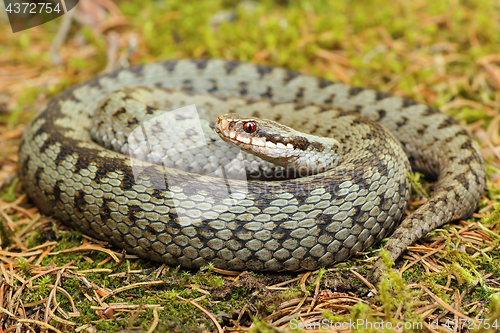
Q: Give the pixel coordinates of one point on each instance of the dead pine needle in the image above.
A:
(205, 311)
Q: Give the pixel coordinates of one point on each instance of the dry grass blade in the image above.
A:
(316, 291)
(365, 281)
(155, 321)
(212, 318)
(39, 323)
(88, 247)
(303, 283)
(52, 295)
(226, 272)
(131, 286)
(446, 306)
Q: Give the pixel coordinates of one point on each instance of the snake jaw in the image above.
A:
(259, 142)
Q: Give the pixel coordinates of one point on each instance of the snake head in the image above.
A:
(278, 143)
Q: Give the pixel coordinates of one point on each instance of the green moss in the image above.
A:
(24, 267)
(394, 294)
(10, 195)
(415, 179)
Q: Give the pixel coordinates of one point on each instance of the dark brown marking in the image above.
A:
(214, 88)
(94, 82)
(46, 144)
(289, 76)
(402, 122)
(170, 65)
(381, 114)
(156, 194)
(132, 121)
(318, 146)
(429, 111)
(230, 66)
(100, 174)
(137, 70)
(355, 91)
(447, 122)
(149, 109)
(128, 182)
(325, 108)
(25, 163)
(56, 190)
(201, 63)
(104, 210)
(330, 99)
(299, 95)
(38, 174)
(323, 83)
(408, 102)
(119, 111)
(379, 95)
(103, 106)
(463, 131)
(449, 139)
(268, 94)
(187, 85)
(263, 70)
(468, 160)
(133, 212)
(61, 156)
(301, 143)
(80, 202)
(461, 179)
(243, 88)
(356, 109)
(467, 145)
(113, 74)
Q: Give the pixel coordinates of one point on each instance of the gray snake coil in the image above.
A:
(289, 225)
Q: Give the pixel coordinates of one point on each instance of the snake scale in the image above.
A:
(181, 218)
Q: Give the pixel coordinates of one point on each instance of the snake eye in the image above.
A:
(250, 126)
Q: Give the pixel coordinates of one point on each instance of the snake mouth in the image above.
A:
(255, 141)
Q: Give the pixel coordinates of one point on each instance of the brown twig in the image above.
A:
(212, 318)
(131, 286)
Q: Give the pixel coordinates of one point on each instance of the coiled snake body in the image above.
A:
(179, 217)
